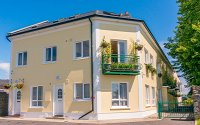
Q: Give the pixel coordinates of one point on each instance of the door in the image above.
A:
(58, 100)
(18, 102)
(119, 51)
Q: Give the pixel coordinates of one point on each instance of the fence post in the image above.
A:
(159, 110)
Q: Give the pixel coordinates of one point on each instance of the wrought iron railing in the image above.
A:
(175, 110)
(114, 64)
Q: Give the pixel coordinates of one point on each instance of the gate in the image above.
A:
(3, 104)
(175, 110)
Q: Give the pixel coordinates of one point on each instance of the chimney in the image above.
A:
(126, 13)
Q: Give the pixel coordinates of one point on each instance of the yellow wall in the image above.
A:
(37, 73)
(71, 71)
(128, 33)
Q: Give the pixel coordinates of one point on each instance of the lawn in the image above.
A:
(198, 122)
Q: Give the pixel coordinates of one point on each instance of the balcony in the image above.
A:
(113, 64)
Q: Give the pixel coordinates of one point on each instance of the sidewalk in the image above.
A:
(80, 121)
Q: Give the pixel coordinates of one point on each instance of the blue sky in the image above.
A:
(160, 15)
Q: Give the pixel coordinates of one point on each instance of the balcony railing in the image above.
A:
(113, 64)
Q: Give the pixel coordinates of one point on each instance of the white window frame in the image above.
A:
(44, 56)
(118, 107)
(77, 58)
(147, 92)
(146, 54)
(153, 96)
(151, 59)
(17, 61)
(83, 99)
(31, 94)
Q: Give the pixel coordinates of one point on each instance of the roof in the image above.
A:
(2, 82)
(97, 13)
(46, 24)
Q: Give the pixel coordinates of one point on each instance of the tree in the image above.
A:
(185, 46)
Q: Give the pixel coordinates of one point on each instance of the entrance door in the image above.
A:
(118, 51)
(58, 100)
(18, 102)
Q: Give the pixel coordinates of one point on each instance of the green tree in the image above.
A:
(185, 46)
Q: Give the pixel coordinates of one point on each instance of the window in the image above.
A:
(153, 96)
(151, 59)
(119, 94)
(60, 93)
(22, 59)
(147, 95)
(50, 54)
(82, 49)
(82, 91)
(18, 95)
(146, 56)
(37, 96)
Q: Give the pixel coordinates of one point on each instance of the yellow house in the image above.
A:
(65, 71)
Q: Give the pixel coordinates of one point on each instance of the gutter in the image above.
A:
(92, 79)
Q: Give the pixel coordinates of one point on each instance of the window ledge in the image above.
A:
(21, 66)
(148, 105)
(36, 107)
(80, 58)
(49, 62)
(81, 100)
(120, 108)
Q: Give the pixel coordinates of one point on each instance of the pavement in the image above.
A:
(144, 121)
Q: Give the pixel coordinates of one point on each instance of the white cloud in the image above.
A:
(4, 70)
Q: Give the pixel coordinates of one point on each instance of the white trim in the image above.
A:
(17, 58)
(74, 50)
(140, 84)
(96, 67)
(36, 114)
(44, 55)
(127, 87)
(31, 92)
(128, 115)
(54, 96)
(83, 99)
(147, 93)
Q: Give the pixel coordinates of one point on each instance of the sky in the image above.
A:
(160, 16)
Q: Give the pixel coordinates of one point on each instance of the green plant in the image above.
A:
(114, 66)
(124, 66)
(106, 50)
(168, 80)
(19, 85)
(7, 86)
(149, 67)
(138, 46)
(153, 70)
(188, 102)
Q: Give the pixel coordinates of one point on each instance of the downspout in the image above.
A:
(92, 87)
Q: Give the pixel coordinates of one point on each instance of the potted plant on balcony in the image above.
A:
(159, 74)
(19, 85)
(153, 70)
(149, 67)
(138, 46)
(7, 86)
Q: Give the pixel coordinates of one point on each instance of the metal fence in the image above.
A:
(175, 110)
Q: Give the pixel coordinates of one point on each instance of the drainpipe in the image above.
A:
(92, 87)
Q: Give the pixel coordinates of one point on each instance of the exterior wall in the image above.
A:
(114, 31)
(73, 71)
(38, 73)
